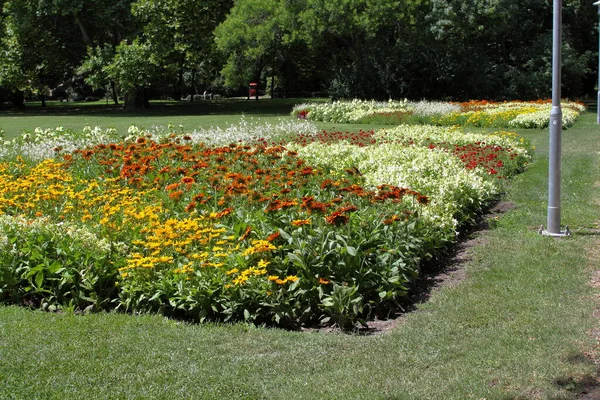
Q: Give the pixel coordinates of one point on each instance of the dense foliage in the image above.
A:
(285, 225)
(436, 49)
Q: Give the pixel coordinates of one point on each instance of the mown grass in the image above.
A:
(515, 327)
(160, 114)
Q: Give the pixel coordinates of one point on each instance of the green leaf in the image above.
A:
(39, 279)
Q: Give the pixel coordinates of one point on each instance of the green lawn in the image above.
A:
(515, 327)
(161, 113)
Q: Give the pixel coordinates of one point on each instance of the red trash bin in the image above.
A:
(253, 90)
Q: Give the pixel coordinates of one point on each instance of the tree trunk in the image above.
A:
(177, 92)
(18, 99)
(135, 99)
(113, 89)
(84, 33)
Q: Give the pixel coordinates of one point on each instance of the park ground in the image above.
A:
(515, 316)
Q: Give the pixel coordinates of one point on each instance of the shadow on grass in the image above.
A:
(274, 107)
(586, 387)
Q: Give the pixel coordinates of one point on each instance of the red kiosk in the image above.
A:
(253, 90)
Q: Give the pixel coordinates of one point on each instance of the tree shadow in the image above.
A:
(266, 107)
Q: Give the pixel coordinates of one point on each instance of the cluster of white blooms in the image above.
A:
(540, 119)
(42, 144)
(347, 111)
(248, 131)
(430, 108)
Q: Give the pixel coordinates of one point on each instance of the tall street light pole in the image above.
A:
(553, 228)
(597, 4)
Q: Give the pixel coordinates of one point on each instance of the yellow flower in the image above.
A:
(263, 263)
(273, 277)
(240, 280)
(232, 271)
(292, 278)
(300, 222)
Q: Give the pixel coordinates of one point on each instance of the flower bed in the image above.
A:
(515, 114)
(330, 226)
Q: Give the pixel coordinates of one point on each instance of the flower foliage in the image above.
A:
(330, 225)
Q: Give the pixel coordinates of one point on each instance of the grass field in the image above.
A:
(516, 325)
(161, 113)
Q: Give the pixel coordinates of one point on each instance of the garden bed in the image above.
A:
(280, 225)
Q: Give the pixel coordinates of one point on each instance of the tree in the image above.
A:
(36, 50)
(179, 34)
(133, 69)
(102, 25)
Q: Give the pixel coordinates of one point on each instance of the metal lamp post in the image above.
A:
(597, 4)
(553, 228)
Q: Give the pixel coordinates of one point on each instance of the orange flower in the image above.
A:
(176, 194)
(391, 220)
(172, 187)
(187, 180)
(190, 206)
(323, 281)
(246, 233)
(273, 236)
(337, 218)
(421, 199)
(225, 212)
